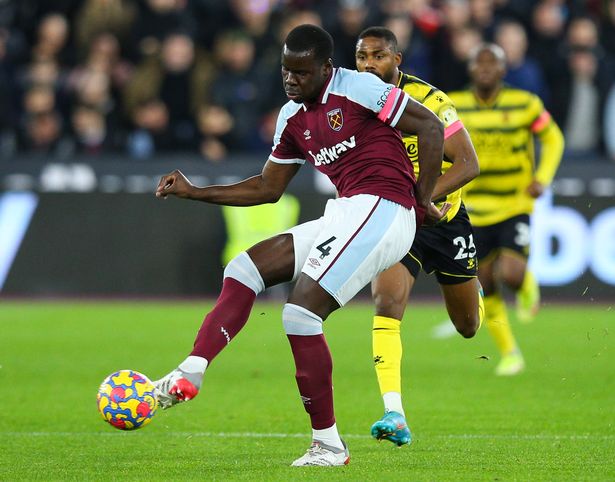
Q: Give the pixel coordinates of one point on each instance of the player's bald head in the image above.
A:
(493, 49)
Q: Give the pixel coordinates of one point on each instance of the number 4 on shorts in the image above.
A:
(324, 249)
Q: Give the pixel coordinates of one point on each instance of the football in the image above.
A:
(126, 400)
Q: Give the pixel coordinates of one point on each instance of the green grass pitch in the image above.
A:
(556, 421)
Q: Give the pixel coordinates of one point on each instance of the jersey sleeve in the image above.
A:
(284, 150)
(441, 105)
(384, 99)
(540, 117)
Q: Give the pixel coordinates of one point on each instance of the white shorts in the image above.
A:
(356, 238)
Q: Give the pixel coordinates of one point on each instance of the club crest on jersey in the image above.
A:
(335, 119)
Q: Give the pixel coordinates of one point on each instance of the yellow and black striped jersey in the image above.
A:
(503, 135)
(441, 105)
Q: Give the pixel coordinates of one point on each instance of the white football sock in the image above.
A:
(392, 402)
(194, 364)
(328, 436)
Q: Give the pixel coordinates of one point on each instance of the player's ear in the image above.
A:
(327, 67)
(398, 57)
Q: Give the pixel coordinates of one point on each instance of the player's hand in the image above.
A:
(174, 183)
(433, 215)
(535, 189)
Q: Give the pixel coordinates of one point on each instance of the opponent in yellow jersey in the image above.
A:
(446, 249)
(503, 123)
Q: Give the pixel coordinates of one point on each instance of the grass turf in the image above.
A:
(556, 421)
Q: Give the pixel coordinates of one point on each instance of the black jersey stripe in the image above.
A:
(503, 108)
(431, 92)
(500, 172)
(492, 130)
(490, 192)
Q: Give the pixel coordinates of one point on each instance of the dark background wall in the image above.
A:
(130, 243)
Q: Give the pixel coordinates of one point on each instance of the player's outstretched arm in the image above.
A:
(460, 150)
(418, 119)
(267, 187)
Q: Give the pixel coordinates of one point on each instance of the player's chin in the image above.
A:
(295, 98)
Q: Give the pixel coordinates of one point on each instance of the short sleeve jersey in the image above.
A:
(503, 135)
(439, 103)
(348, 134)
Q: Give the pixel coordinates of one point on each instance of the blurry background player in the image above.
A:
(344, 123)
(503, 122)
(446, 248)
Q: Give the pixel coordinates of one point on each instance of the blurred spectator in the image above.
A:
(156, 20)
(450, 66)
(165, 95)
(95, 17)
(548, 23)
(95, 118)
(482, 17)
(42, 129)
(416, 58)
(140, 74)
(609, 124)
(238, 97)
(607, 28)
(52, 40)
(583, 88)
(351, 20)
(253, 17)
(7, 107)
(522, 72)
(89, 127)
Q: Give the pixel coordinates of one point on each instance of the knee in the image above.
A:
(243, 269)
(467, 326)
(513, 281)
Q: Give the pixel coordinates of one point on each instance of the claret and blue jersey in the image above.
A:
(348, 134)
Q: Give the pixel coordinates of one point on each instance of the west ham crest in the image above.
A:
(336, 119)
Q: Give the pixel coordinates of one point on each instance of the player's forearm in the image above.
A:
(460, 173)
(430, 147)
(249, 192)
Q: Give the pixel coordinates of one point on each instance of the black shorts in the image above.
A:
(447, 249)
(512, 234)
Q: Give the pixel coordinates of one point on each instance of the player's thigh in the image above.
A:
(390, 291)
(274, 258)
(486, 275)
(361, 236)
(511, 269)
(308, 294)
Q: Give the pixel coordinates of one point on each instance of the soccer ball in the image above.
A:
(126, 400)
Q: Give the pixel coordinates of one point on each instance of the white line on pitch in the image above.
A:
(305, 435)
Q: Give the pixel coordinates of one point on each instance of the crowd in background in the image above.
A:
(145, 77)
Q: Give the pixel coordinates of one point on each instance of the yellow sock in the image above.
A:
(387, 353)
(498, 325)
(528, 298)
(481, 308)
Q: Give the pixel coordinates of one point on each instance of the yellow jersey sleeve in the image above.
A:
(441, 105)
(551, 143)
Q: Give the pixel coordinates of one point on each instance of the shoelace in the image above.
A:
(317, 450)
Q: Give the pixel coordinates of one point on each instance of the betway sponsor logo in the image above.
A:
(327, 155)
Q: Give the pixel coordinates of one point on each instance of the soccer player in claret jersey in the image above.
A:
(503, 123)
(446, 249)
(345, 124)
